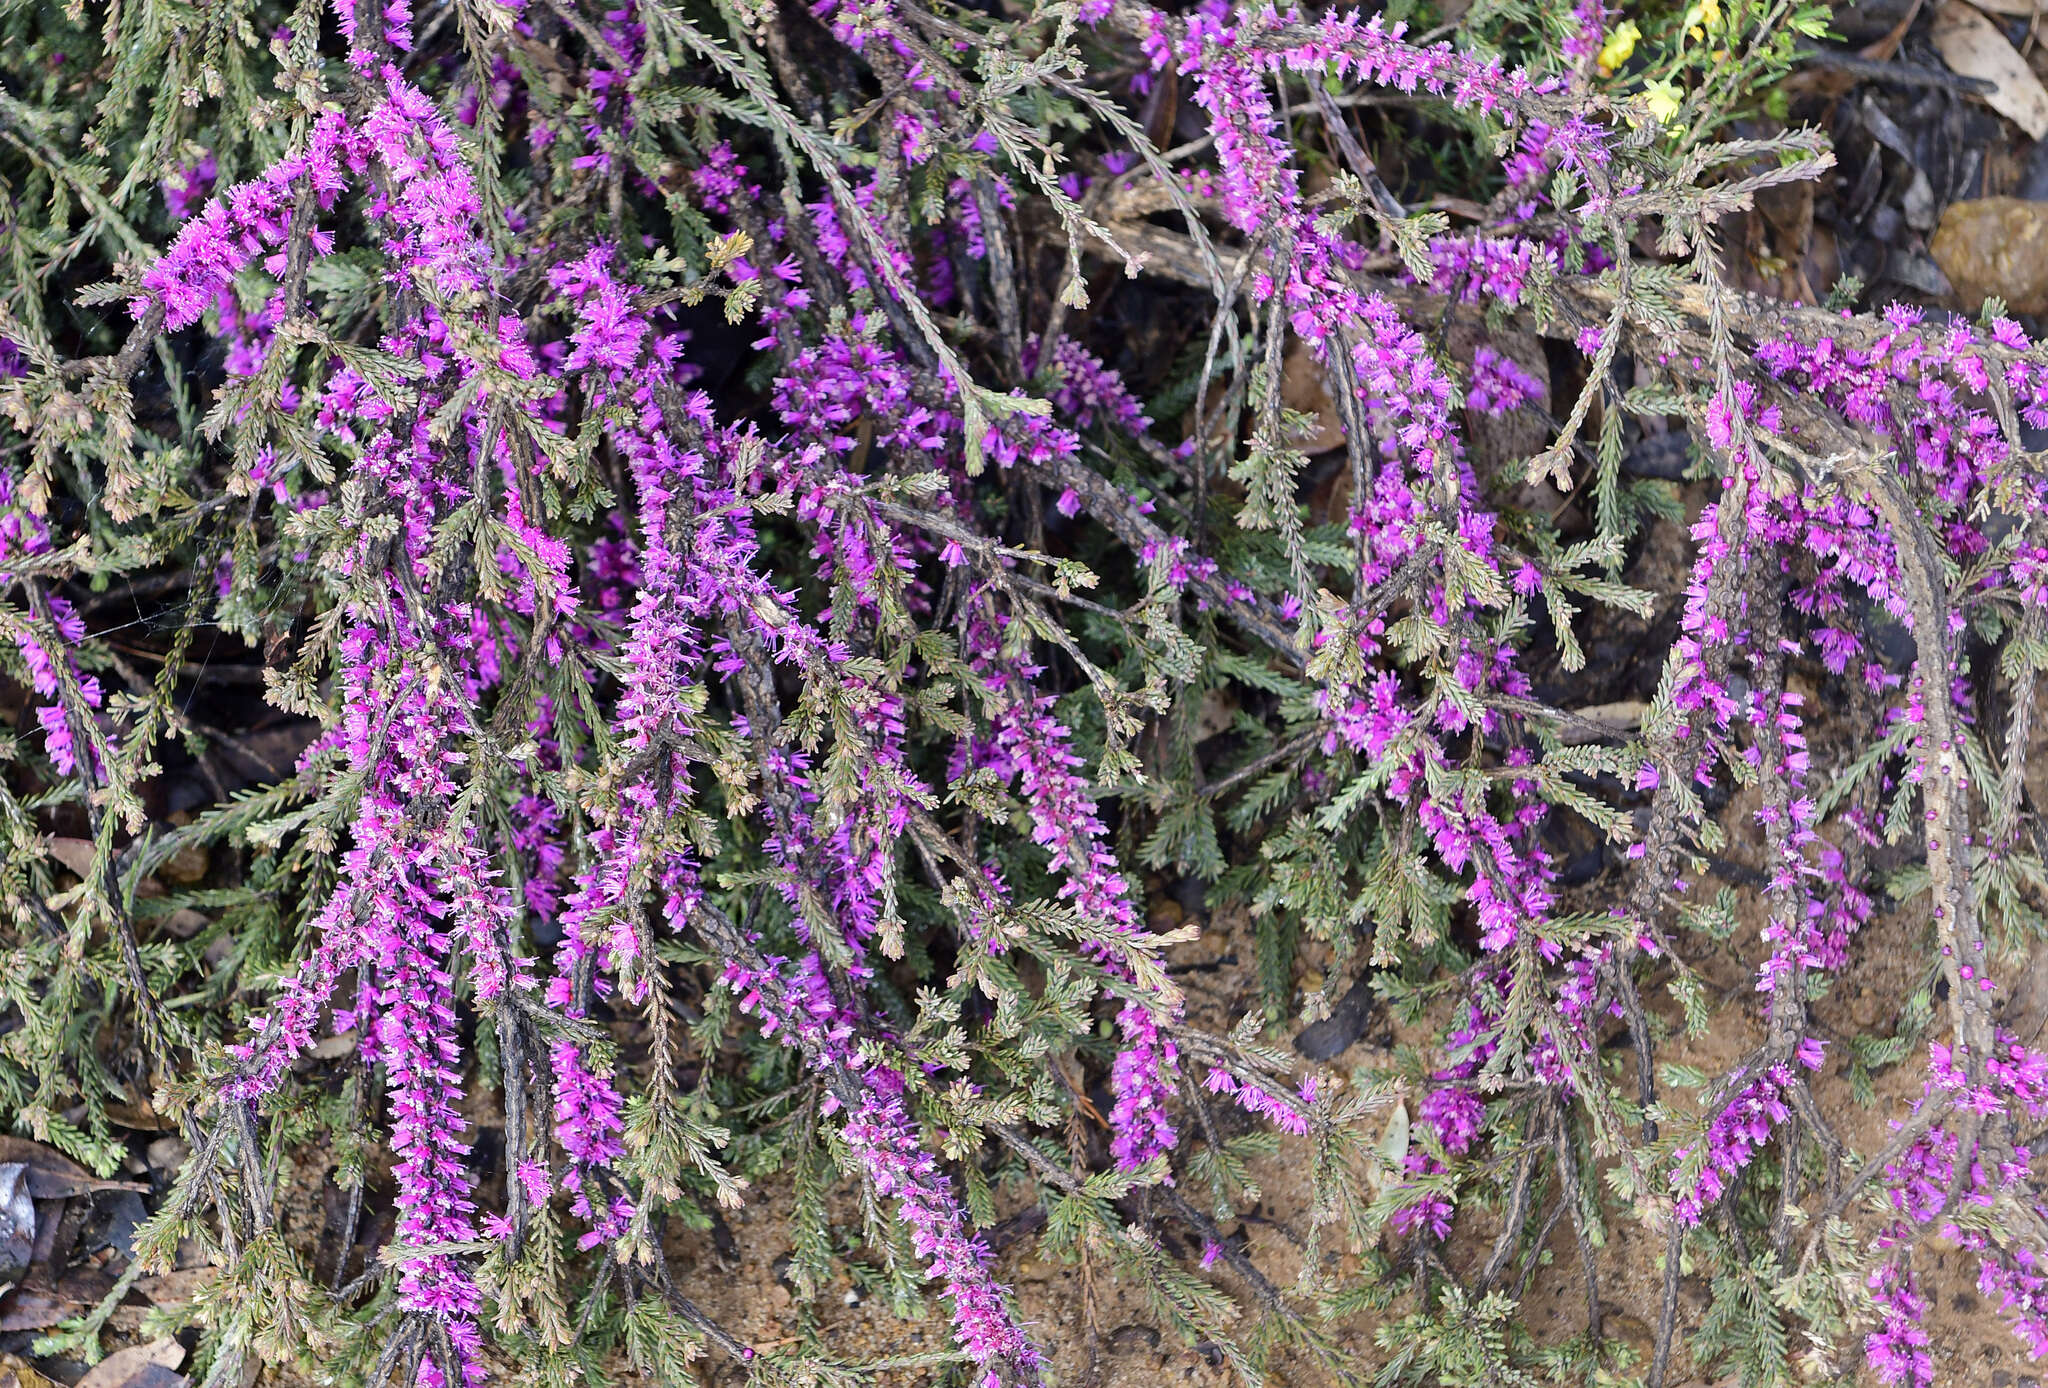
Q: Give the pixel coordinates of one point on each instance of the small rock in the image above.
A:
(1125, 1337)
(1166, 915)
(334, 1047)
(1007, 1232)
(187, 866)
(1335, 1034)
(2033, 182)
(1918, 203)
(17, 1222)
(1631, 1330)
(2035, 778)
(167, 1154)
(1916, 271)
(1665, 456)
(185, 922)
(1578, 846)
(1998, 246)
(1216, 714)
(1034, 1270)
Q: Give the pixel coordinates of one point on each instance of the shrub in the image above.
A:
(671, 461)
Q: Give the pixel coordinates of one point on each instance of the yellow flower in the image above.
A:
(1618, 48)
(1663, 99)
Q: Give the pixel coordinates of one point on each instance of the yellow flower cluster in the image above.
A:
(1620, 45)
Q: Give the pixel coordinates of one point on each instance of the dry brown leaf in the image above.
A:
(75, 854)
(1622, 713)
(1882, 50)
(19, 1373)
(54, 1176)
(139, 1118)
(1302, 388)
(1621, 718)
(1972, 46)
(133, 1367)
(176, 1287)
(2019, 9)
(26, 1309)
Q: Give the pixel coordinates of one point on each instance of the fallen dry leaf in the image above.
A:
(24, 1309)
(54, 1176)
(140, 1366)
(139, 1117)
(75, 854)
(176, 1287)
(1302, 388)
(1882, 50)
(1622, 717)
(19, 1373)
(1972, 46)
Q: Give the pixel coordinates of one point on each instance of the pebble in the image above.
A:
(1998, 246)
(1348, 1019)
(187, 866)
